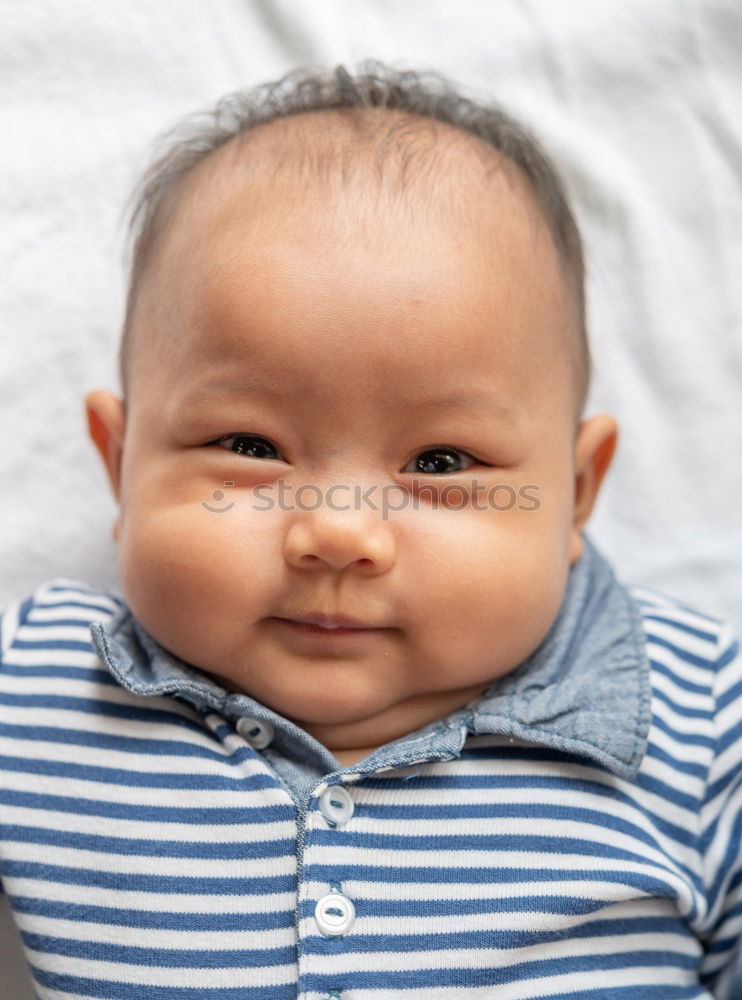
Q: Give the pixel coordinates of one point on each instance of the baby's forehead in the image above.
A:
(327, 253)
(383, 182)
(322, 186)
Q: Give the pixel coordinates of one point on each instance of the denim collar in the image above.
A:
(585, 690)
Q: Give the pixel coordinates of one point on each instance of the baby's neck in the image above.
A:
(348, 757)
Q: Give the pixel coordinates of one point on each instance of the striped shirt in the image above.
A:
(574, 833)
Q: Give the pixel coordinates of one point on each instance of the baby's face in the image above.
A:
(386, 407)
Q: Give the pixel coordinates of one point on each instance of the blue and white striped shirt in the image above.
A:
(574, 833)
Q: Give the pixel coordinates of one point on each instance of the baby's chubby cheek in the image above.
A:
(485, 587)
(189, 565)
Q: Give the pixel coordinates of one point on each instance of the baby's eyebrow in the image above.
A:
(255, 384)
(201, 391)
(467, 401)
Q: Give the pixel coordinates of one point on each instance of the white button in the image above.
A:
(336, 805)
(335, 914)
(257, 732)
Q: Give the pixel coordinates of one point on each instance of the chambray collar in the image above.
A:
(584, 691)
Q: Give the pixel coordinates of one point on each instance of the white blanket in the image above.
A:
(635, 100)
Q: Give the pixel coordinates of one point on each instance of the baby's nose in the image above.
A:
(340, 539)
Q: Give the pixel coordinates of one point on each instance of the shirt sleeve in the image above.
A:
(721, 826)
(10, 620)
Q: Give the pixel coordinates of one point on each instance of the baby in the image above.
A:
(374, 717)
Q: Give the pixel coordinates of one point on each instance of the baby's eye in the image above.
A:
(439, 461)
(250, 445)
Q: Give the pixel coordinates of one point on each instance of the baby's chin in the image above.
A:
(323, 701)
(353, 722)
(334, 707)
(344, 703)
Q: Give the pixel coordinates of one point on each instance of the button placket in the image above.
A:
(334, 914)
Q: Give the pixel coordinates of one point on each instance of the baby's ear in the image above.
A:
(106, 421)
(594, 449)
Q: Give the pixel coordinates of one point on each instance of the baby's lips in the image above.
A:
(330, 621)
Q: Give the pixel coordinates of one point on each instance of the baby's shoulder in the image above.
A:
(59, 611)
(679, 637)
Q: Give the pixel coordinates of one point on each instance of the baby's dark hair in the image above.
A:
(426, 95)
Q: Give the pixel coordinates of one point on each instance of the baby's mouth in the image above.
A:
(330, 626)
(329, 631)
